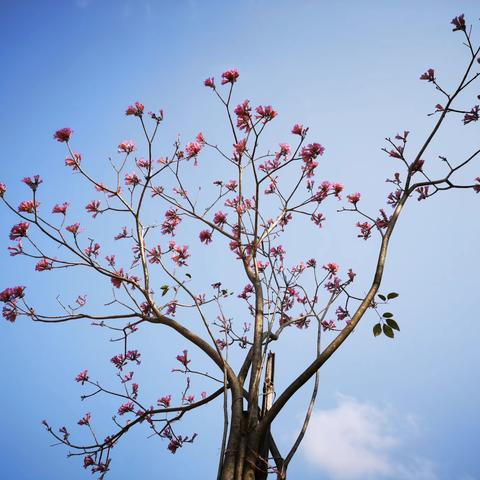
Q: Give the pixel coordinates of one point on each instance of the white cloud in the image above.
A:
(357, 440)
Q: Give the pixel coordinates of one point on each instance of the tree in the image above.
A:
(246, 213)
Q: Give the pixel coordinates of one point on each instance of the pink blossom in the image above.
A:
(74, 161)
(154, 255)
(125, 408)
(472, 116)
(243, 113)
(11, 294)
(422, 193)
(132, 179)
(172, 220)
(61, 208)
(32, 183)
(328, 325)
(312, 263)
(164, 401)
(417, 166)
(265, 113)
(136, 109)
(240, 148)
(122, 234)
(93, 207)
(246, 292)
(220, 219)
(179, 254)
(428, 75)
(92, 250)
(82, 377)
(81, 300)
(3, 189)
(312, 151)
(88, 461)
(193, 149)
(230, 76)
(183, 359)
(16, 249)
(200, 138)
(351, 275)
(44, 264)
(318, 218)
(331, 268)
(365, 230)
(142, 163)
(110, 260)
(63, 135)
(20, 230)
(85, 420)
(459, 23)
(119, 361)
(28, 206)
(10, 312)
(73, 228)
(157, 117)
(354, 198)
(284, 151)
(277, 252)
(231, 185)
(127, 146)
(299, 130)
(118, 279)
(209, 82)
(476, 188)
(205, 236)
(337, 189)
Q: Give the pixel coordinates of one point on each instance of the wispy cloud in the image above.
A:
(358, 440)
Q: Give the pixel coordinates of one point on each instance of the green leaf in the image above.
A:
(387, 315)
(377, 330)
(382, 297)
(164, 289)
(393, 324)
(392, 295)
(388, 331)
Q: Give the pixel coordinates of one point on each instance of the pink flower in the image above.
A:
(265, 113)
(240, 147)
(200, 138)
(299, 130)
(459, 23)
(209, 82)
(142, 163)
(231, 185)
(20, 230)
(429, 75)
(242, 111)
(476, 188)
(164, 401)
(74, 161)
(88, 461)
(136, 109)
(183, 359)
(92, 250)
(337, 189)
(365, 230)
(125, 408)
(73, 228)
(351, 275)
(44, 264)
(230, 76)
(283, 152)
(81, 300)
(63, 135)
(328, 325)
(354, 198)
(154, 255)
(10, 312)
(16, 249)
(172, 220)
(127, 146)
(110, 260)
(85, 420)
(117, 280)
(472, 116)
(331, 268)
(318, 218)
(193, 149)
(312, 151)
(220, 219)
(422, 193)
(246, 292)
(61, 208)
(11, 294)
(205, 236)
(179, 254)
(122, 234)
(132, 179)
(82, 377)
(3, 189)
(28, 206)
(93, 207)
(33, 183)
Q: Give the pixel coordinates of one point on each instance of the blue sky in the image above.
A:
(402, 409)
